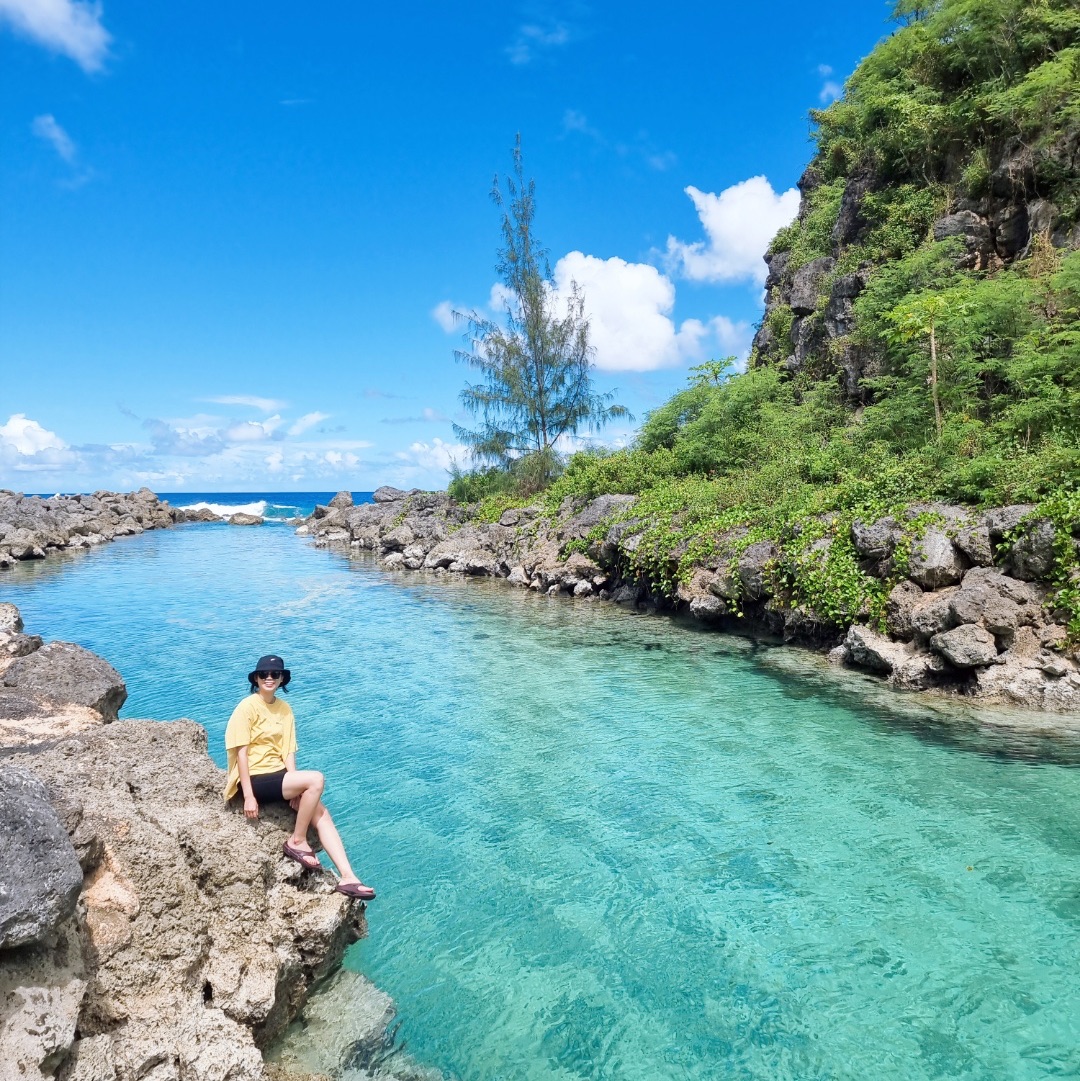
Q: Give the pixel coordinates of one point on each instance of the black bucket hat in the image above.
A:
(270, 663)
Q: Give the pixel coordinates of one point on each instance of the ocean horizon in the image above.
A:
(273, 506)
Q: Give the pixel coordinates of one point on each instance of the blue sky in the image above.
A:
(230, 234)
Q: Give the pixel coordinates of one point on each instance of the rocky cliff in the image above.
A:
(146, 930)
(970, 614)
(31, 527)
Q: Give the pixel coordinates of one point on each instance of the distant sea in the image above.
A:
(272, 506)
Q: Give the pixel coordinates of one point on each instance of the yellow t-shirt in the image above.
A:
(268, 732)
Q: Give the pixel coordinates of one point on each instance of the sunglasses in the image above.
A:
(275, 674)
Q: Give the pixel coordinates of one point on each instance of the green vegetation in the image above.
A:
(536, 386)
(970, 384)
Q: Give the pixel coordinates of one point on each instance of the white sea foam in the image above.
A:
(225, 509)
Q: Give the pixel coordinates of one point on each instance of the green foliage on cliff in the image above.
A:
(970, 385)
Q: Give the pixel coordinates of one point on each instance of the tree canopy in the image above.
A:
(535, 365)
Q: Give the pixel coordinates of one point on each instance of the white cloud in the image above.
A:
(738, 223)
(45, 127)
(830, 88)
(533, 39)
(308, 420)
(435, 455)
(629, 306)
(265, 405)
(274, 462)
(443, 314)
(27, 447)
(427, 416)
(252, 431)
(70, 27)
(28, 437)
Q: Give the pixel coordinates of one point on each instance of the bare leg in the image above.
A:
(303, 789)
(331, 841)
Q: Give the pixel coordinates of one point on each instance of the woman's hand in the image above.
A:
(251, 807)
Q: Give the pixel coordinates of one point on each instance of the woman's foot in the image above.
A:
(353, 887)
(301, 852)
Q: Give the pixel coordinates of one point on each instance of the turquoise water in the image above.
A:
(609, 846)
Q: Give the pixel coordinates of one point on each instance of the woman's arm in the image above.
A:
(251, 805)
(290, 762)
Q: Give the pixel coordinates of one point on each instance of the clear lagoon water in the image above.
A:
(610, 846)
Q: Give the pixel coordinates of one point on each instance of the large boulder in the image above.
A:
(877, 540)
(867, 648)
(752, 569)
(342, 500)
(1032, 556)
(899, 608)
(935, 561)
(594, 513)
(386, 494)
(39, 870)
(1003, 520)
(966, 646)
(10, 618)
(931, 614)
(63, 673)
(243, 518)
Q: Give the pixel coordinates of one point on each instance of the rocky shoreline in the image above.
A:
(970, 616)
(32, 527)
(146, 930)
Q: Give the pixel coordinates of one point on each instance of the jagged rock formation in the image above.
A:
(968, 615)
(31, 527)
(146, 930)
(810, 320)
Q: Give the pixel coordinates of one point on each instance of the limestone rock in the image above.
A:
(386, 494)
(242, 518)
(42, 990)
(966, 646)
(752, 568)
(806, 285)
(64, 673)
(10, 619)
(935, 561)
(39, 871)
(1032, 556)
(198, 514)
(205, 940)
(973, 230)
(974, 542)
(1002, 520)
(877, 540)
(899, 607)
(397, 539)
(867, 648)
(931, 614)
(627, 593)
(341, 501)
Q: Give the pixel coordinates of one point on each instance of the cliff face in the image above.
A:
(969, 617)
(146, 931)
(963, 127)
(811, 323)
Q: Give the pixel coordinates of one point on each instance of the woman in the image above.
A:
(261, 743)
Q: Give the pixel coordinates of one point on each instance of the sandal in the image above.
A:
(356, 890)
(308, 860)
